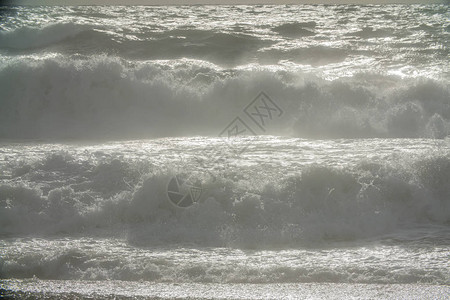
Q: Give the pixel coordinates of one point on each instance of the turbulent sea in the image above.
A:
(212, 152)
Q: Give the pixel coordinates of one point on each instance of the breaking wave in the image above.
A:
(322, 204)
(108, 97)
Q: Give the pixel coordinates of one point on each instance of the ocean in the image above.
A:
(225, 152)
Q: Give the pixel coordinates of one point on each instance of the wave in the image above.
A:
(32, 38)
(314, 56)
(369, 32)
(101, 261)
(70, 38)
(320, 205)
(90, 215)
(109, 97)
(297, 29)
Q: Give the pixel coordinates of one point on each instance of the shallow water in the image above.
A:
(140, 290)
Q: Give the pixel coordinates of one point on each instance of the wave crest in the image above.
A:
(321, 204)
(25, 38)
(107, 97)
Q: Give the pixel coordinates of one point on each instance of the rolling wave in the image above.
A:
(92, 259)
(71, 38)
(29, 38)
(109, 97)
(320, 205)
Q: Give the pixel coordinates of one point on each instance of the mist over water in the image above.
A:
(342, 175)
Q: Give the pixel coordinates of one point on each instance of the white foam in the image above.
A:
(61, 194)
(107, 97)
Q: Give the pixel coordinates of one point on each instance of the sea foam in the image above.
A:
(109, 97)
